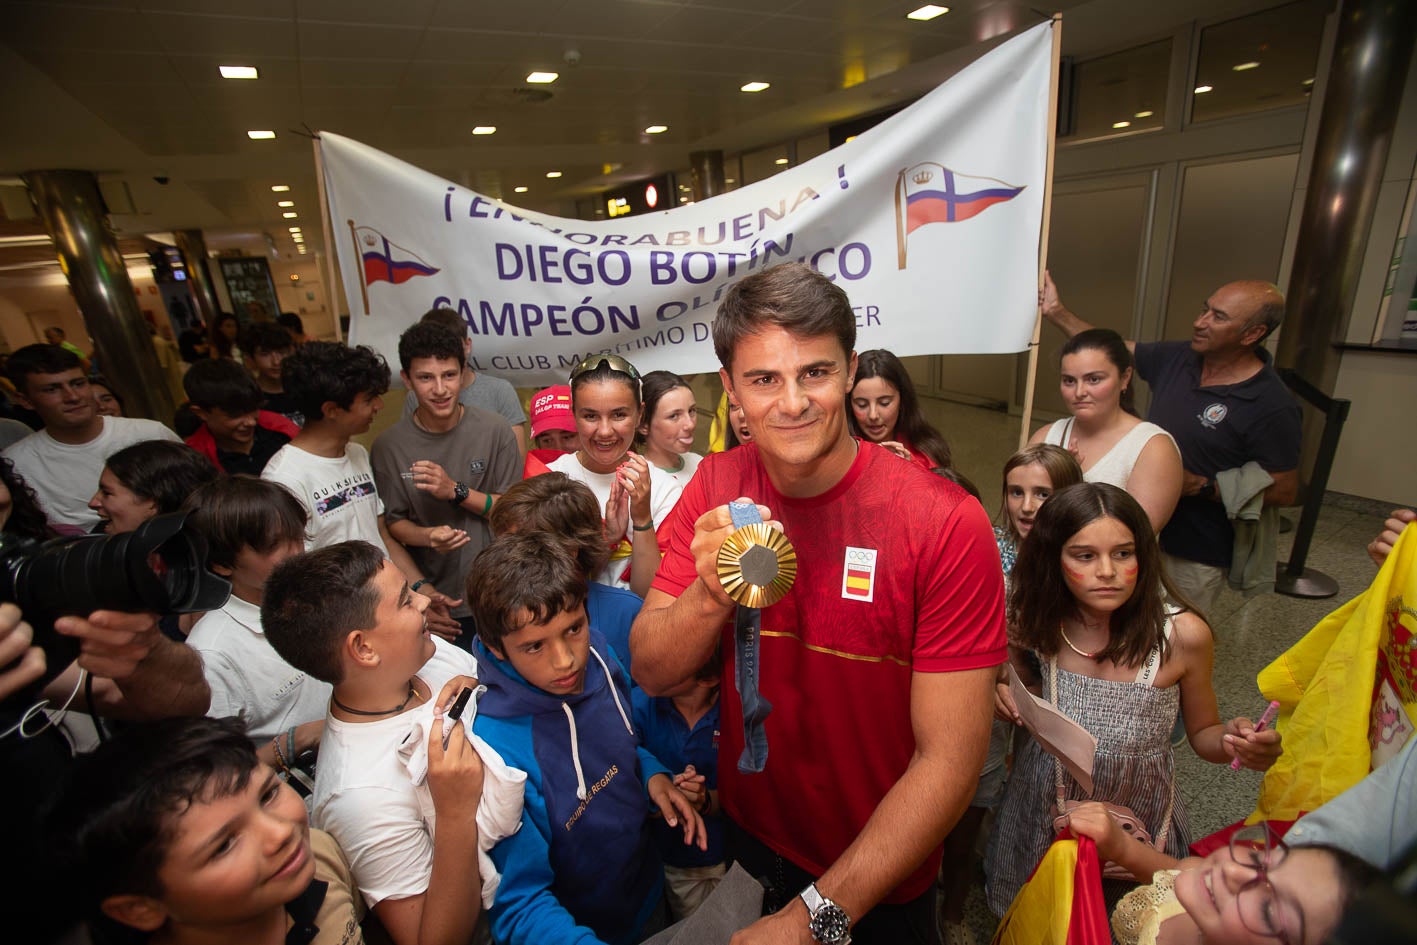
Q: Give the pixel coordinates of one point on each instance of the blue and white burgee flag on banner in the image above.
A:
(930, 221)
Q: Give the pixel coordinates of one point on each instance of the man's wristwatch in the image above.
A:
(828, 922)
(460, 491)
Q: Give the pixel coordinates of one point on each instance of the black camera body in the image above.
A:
(160, 567)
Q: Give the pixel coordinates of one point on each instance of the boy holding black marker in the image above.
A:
(345, 615)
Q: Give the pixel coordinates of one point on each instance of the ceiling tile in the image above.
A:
(339, 41)
(367, 12)
(223, 36)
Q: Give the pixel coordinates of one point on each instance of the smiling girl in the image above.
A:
(1111, 443)
(667, 436)
(606, 403)
(1093, 630)
(884, 410)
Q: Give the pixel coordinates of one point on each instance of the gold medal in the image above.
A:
(757, 565)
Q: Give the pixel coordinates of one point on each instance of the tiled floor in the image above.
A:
(1249, 633)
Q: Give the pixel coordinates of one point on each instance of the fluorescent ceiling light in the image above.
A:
(553, 174)
(756, 86)
(1202, 89)
(656, 129)
(260, 135)
(1121, 124)
(543, 78)
(780, 161)
(1307, 82)
(290, 214)
(730, 180)
(295, 229)
(521, 190)
(285, 203)
(279, 188)
(928, 12)
(485, 130)
(238, 72)
(1244, 66)
(1145, 113)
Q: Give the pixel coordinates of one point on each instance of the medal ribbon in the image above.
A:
(747, 629)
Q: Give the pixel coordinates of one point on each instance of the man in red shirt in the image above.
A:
(878, 664)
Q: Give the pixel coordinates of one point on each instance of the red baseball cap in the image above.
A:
(551, 410)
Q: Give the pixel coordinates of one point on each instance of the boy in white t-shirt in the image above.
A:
(344, 614)
(250, 526)
(339, 390)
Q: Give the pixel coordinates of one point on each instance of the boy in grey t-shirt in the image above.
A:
(440, 468)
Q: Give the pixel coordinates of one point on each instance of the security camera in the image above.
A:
(162, 180)
(572, 57)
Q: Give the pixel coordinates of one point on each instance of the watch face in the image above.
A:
(830, 925)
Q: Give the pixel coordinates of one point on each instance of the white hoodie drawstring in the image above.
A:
(613, 691)
(575, 752)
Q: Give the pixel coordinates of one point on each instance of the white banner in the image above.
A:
(930, 221)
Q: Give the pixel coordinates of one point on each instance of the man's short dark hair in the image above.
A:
(113, 818)
(266, 336)
(222, 384)
(557, 505)
(291, 322)
(314, 601)
(39, 359)
(427, 339)
(522, 579)
(244, 512)
(162, 472)
(793, 297)
(320, 372)
(449, 319)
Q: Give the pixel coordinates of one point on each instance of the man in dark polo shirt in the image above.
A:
(236, 434)
(1218, 395)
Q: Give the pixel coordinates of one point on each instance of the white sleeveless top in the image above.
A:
(1115, 466)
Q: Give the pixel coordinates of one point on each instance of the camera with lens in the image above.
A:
(160, 567)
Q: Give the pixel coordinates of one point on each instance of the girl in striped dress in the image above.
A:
(1094, 633)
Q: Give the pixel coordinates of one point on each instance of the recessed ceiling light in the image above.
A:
(238, 72)
(1121, 124)
(285, 203)
(928, 12)
(656, 129)
(521, 190)
(485, 130)
(543, 78)
(294, 229)
(730, 180)
(1244, 66)
(280, 188)
(683, 199)
(1307, 82)
(290, 215)
(780, 161)
(553, 174)
(1145, 113)
(756, 87)
(1202, 89)
(260, 135)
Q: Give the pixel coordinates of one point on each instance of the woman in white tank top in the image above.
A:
(1110, 442)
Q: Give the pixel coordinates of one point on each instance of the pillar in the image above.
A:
(69, 204)
(1364, 90)
(199, 274)
(706, 174)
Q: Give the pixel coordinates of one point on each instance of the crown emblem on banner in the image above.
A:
(923, 177)
(369, 239)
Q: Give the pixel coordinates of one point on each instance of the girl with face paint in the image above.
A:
(1097, 630)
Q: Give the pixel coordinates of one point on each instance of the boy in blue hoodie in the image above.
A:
(583, 867)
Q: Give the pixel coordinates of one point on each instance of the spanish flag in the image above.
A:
(1061, 904)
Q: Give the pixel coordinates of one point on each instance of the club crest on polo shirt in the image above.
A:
(1211, 416)
(477, 467)
(858, 576)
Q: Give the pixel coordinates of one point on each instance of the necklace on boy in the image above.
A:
(412, 691)
(1072, 646)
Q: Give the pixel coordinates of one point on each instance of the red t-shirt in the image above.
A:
(897, 572)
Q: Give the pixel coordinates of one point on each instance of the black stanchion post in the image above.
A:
(1293, 578)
